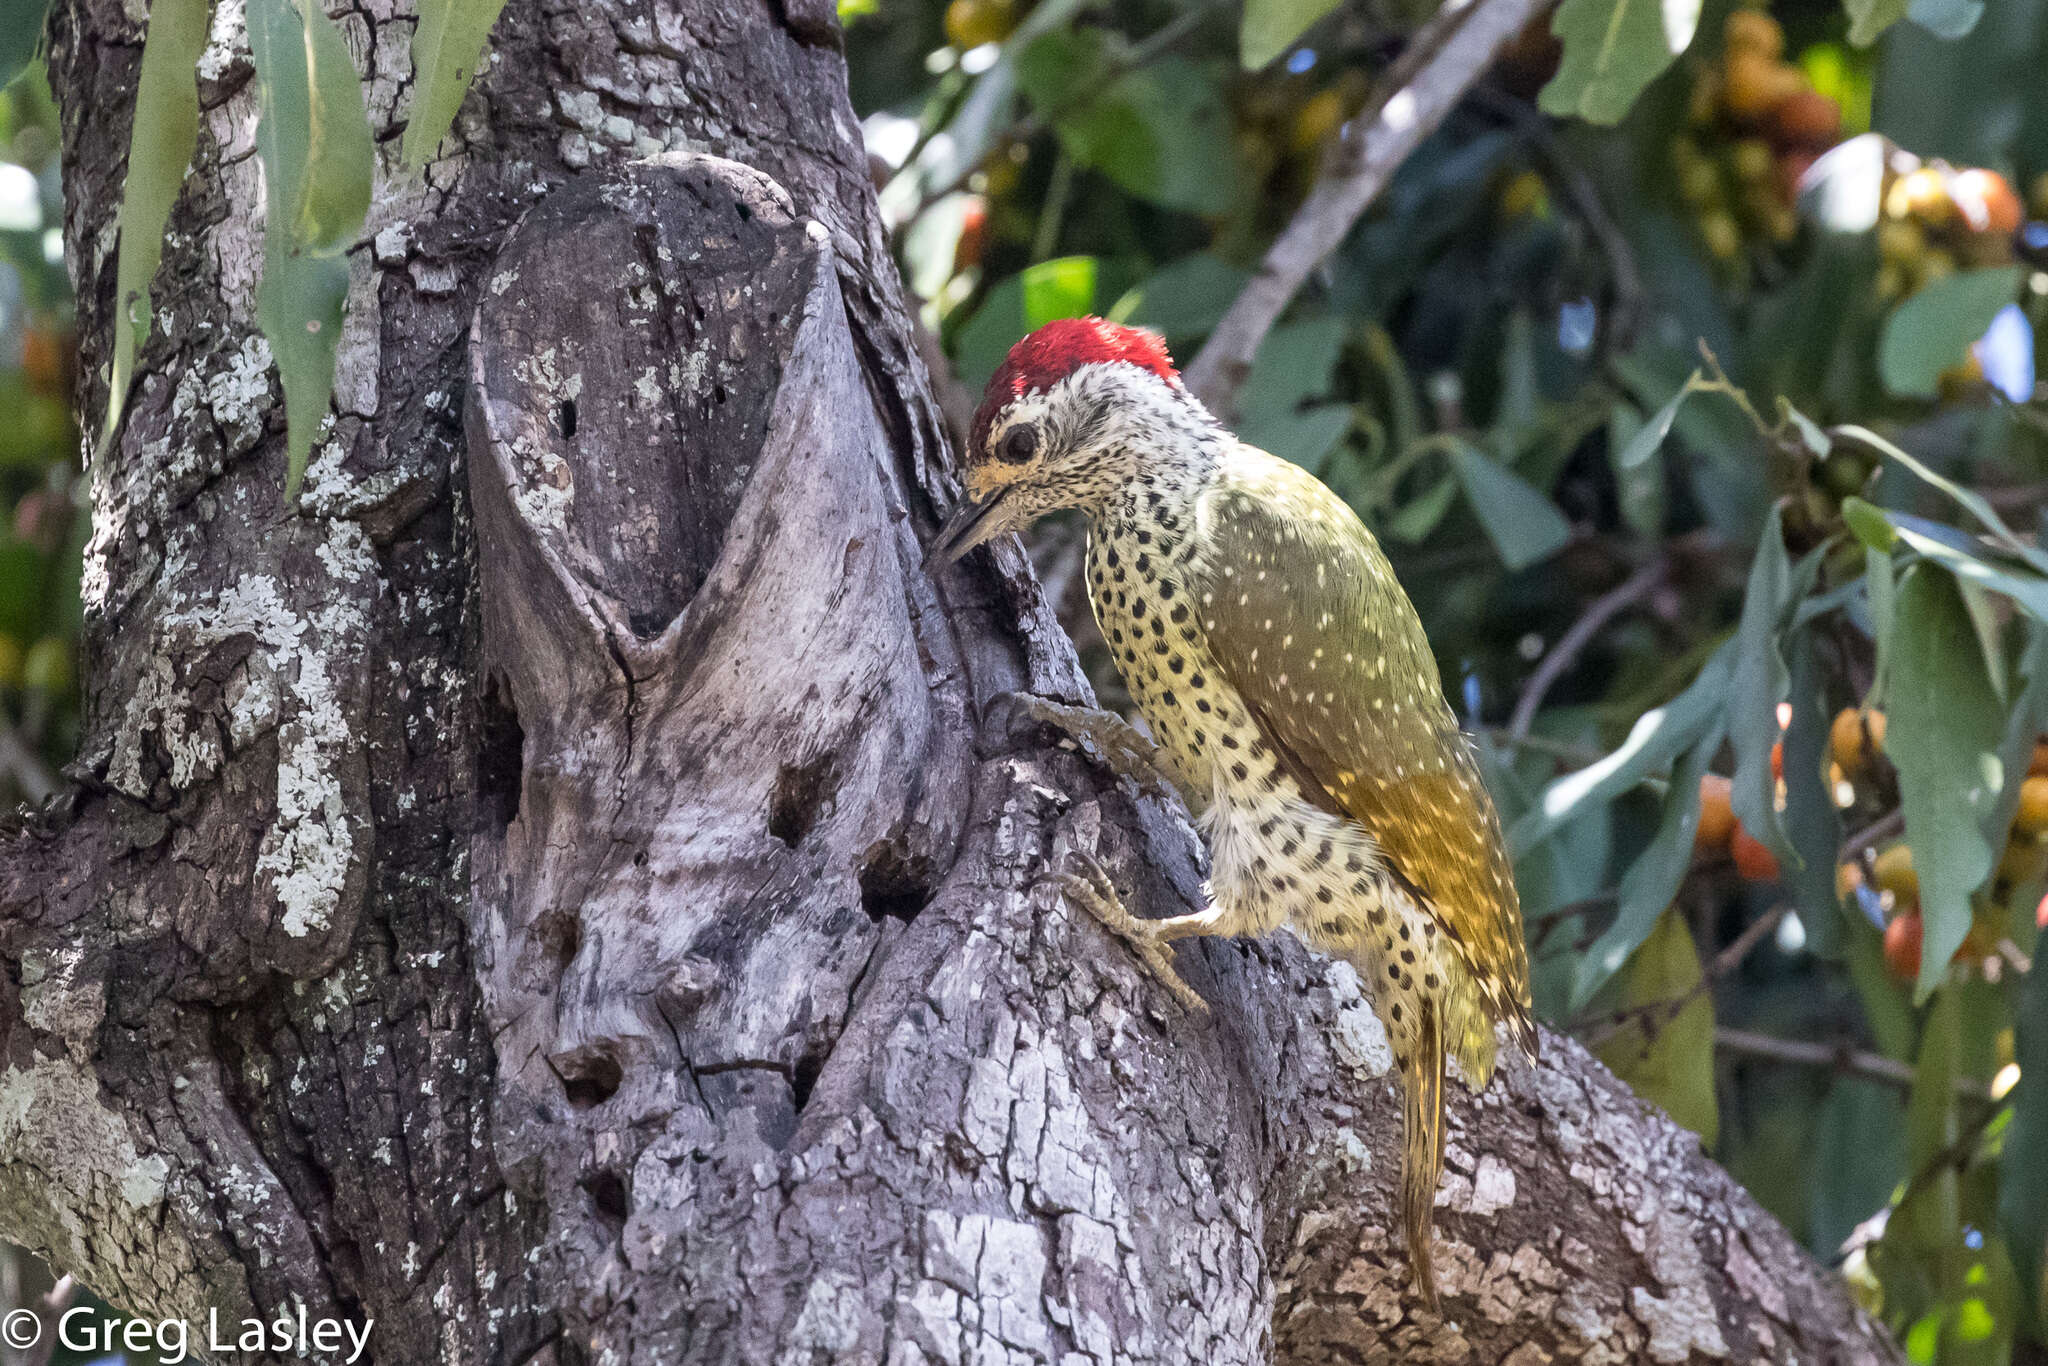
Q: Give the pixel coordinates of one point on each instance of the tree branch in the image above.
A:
(1442, 61)
(1598, 613)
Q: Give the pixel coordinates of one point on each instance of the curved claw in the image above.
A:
(1087, 884)
(1103, 736)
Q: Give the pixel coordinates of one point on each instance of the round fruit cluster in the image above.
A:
(1937, 219)
(1756, 125)
(1889, 874)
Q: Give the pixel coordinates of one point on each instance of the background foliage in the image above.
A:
(1688, 373)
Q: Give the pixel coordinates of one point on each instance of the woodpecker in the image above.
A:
(1293, 697)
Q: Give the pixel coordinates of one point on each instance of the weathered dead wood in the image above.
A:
(680, 982)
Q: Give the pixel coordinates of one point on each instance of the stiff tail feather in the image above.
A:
(1422, 1154)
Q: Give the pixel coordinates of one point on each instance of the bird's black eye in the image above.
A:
(1018, 445)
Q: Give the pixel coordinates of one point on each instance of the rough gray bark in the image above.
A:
(564, 891)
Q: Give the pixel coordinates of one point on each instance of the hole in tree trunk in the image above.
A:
(590, 1077)
(804, 1077)
(568, 419)
(608, 1193)
(500, 755)
(892, 885)
(801, 793)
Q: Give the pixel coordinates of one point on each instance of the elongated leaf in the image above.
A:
(1859, 1157)
(1811, 822)
(1658, 737)
(1650, 439)
(1759, 686)
(446, 47)
(1929, 1220)
(1933, 330)
(1183, 299)
(1973, 562)
(21, 28)
(160, 147)
(2022, 1177)
(1612, 50)
(1870, 18)
(1653, 879)
(1945, 727)
(1270, 27)
(1670, 1063)
(1523, 525)
(1978, 506)
(315, 143)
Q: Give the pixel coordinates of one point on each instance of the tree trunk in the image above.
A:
(563, 891)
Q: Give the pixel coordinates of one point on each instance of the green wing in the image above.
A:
(1307, 622)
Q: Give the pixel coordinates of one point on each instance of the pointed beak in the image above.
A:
(970, 525)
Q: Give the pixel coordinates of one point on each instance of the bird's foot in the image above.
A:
(1087, 884)
(1103, 736)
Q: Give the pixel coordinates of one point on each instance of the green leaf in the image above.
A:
(2023, 1180)
(160, 144)
(1933, 330)
(1758, 686)
(21, 28)
(1658, 736)
(446, 46)
(1291, 371)
(1945, 727)
(1870, 18)
(1653, 879)
(1161, 131)
(1639, 489)
(1184, 299)
(1650, 439)
(1811, 821)
(1413, 521)
(315, 143)
(1523, 525)
(1977, 505)
(1669, 1059)
(1060, 288)
(1859, 1158)
(1972, 561)
(1612, 50)
(1270, 27)
(1950, 19)
(1868, 522)
(1929, 1218)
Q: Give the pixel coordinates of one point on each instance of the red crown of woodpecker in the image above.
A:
(1058, 349)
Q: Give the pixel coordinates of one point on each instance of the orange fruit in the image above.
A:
(1848, 877)
(2032, 815)
(2041, 913)
(1753, 859)
(1893, 872)
(1749, 30)
(1855, 736)
(973, 243)
(1987, 202)
(1754, 85)
(1717, 818)
(2039, 764)
(1921, 195)
(1778, 761)
(1807, 118)
(1902, 940)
